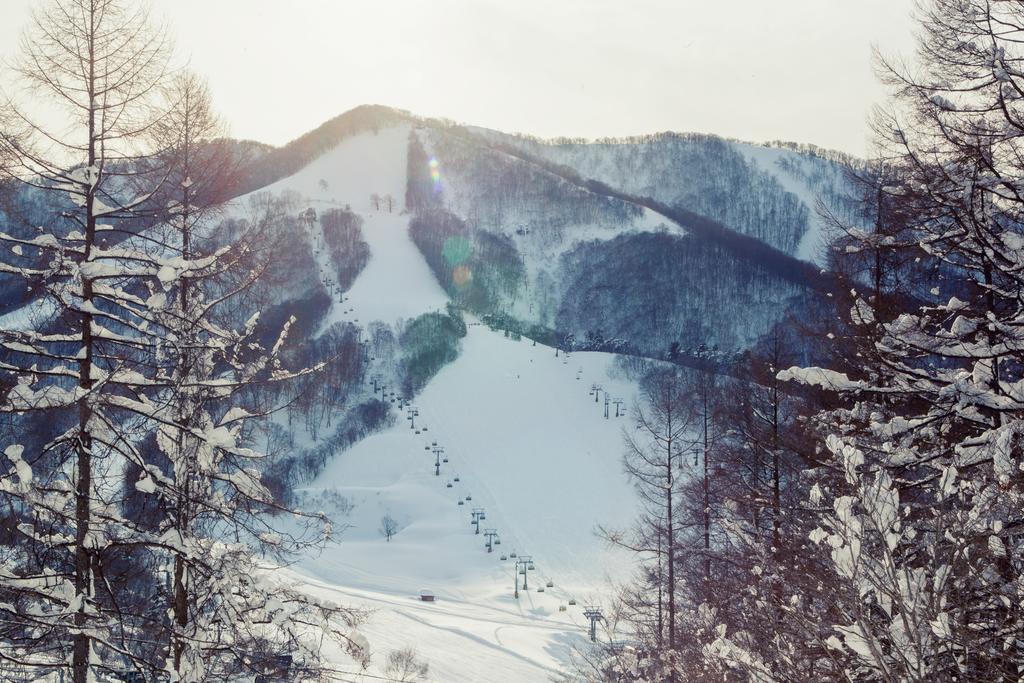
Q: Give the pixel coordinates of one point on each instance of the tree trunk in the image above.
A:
(83, 487)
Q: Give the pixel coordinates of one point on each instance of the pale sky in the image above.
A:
(752, 69)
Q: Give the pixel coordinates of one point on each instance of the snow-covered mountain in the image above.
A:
(523, 441)
(767, 192)
(523, 247)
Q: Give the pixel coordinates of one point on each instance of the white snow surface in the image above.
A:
(359, 166)
(521, 431)
(396, 284)
(532, 448)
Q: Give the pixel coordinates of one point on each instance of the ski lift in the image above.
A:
(497, 541)
(541, 589)
(456, 477)
(572, 602)
(512, 554)
(449, 485)
(467, 497)
(445, 460)
(424, 429)
(551, 584)
(562, 608)
(426, 448)
(531, 565)
(503, 557)
(418, 431)
(461, 503)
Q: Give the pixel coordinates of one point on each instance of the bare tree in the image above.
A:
(654, 449)
(404, 665)
(388, 527)
(99, 62)
(212, 489)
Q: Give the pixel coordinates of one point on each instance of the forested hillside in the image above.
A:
(541, 247)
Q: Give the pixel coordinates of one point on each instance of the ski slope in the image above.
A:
(521, 431)
(813, 243)
(397, 283)
(533, 449)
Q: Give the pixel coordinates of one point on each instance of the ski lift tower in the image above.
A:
(478, 516)
(524, 564)
(491, 535)
(438, 450)
(413, 414)
(594, 614)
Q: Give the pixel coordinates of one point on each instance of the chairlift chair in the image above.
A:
(512, 554)
(572, 602)
(449, 485)
(461, 503)
(551, 584)
(503, 557)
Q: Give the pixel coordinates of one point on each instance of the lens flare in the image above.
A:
(456, 249)
(435, 173)
(462, 276)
